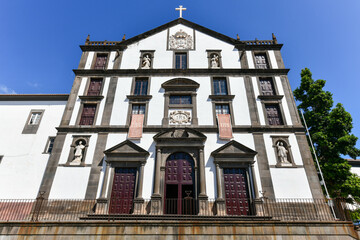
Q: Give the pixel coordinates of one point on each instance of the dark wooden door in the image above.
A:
(95, 87)
(273, 115)
(122, 194)
(179, 191)
(267, 87)
(100, 61)
(88, 114)
(236, 191)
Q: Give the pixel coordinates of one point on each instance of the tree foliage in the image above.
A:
(330, 129)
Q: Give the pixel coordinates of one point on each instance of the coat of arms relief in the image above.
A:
(180, 40)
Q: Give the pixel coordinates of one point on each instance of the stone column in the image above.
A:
(156, 197)
(252, 173)
(202, 173)
(203, 203)
(194, 113)
(141, 180)
(102, 202)
(220, 201)
(157, 173)
(139, 207)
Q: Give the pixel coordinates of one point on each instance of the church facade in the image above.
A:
(179, 120)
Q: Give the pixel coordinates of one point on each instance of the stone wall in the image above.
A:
(171, 230)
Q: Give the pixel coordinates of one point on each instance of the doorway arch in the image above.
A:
(180, 190)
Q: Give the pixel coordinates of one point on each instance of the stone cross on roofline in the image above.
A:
(180, 8)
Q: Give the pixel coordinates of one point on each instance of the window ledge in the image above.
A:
(270, 97)
(221, 97)
(91, 98)
(139, 97)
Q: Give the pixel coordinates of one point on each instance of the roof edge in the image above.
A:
(34, 97)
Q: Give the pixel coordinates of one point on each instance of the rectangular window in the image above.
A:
(220, 86)
(267, 86)
(141, 86)
(181, 60)
(138, 109)
(94, 87)
(88, 114)
(35, 118)
(222, 109)
(261, 61)
(273, 114)
(100, 62)
(50, 145)
(180, 99)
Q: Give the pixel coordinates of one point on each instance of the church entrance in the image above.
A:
(123, 189)
(236, 191)
(179, 185)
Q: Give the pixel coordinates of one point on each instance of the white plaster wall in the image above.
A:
(198, 58)
(156, 104)
(290, 183)
(272, 59)
(89, 60)
(250, 59)
(24, 162)
(111, 60)
(355, 170)
(164, 58)
(70, 183)
(240, 103)
(101, 106)
(204, 104)
(258, 101)
(157, 42)
(121, 103)
(287, 182)
(78, 101)
(67, 146)
(294, 148)
(283, 101)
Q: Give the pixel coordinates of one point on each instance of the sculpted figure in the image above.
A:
(146, 62)
(282, 152)
(214, 61)
(78, 153)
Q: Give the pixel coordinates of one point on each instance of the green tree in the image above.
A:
(330, 129)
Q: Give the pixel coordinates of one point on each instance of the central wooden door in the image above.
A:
(236, 191)
(122, 194)
(179, 188)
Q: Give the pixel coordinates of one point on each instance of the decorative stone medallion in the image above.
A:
(180, 117)
(180, 40)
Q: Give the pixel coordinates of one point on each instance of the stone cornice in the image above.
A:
(203, 129)
(180, 72)
(34, 97)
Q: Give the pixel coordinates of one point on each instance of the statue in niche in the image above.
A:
(214, 61)
(282, 153)
(146, 62)
(78, 154)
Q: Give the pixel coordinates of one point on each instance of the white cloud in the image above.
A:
(5, 90)
(33, 84)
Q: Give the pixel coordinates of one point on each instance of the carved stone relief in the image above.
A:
(180, 117)
(180, 40)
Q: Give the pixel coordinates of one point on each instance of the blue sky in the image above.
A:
(39, 39)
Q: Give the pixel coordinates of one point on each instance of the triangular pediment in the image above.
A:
(180, 134)
(233, 149)
(126, 147)
(184, 22)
